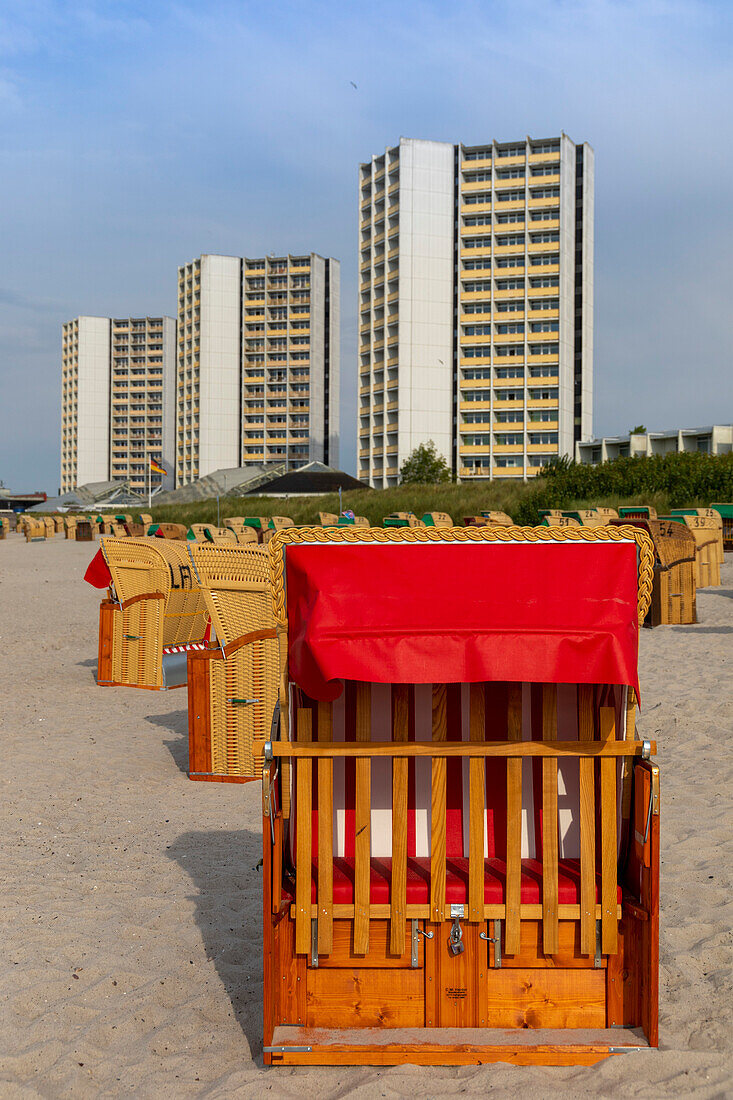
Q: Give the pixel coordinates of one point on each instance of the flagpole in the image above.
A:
(150, 484)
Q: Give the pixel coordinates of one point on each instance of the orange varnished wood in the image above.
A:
(547, 998)
(107, 611)
(609, 857)
(380, 948)
(362, 822)
(477, 796)
(452, 993)
(586, 732)
(549, 823)
(325, 833)
(303, 860)
(289, 976)
(513, 824)
(359, 997)
(530, 952)
(398, 897)
(423, 1056)
(437, 807)
(199, 714)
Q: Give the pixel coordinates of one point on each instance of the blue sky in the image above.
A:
(134, 136)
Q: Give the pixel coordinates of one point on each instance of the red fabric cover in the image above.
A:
(461, 613)
(456, 881)
(98, 574)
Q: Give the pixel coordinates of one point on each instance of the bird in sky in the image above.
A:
(351, 82)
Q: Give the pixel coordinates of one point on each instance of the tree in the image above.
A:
(640, 429)
(424, 466)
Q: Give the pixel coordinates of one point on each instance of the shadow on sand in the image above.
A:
(703, 629)
(176, 722)
(223, 867)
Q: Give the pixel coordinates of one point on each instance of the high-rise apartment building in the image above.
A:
(476, 305)
(258, 363)
(117, 400)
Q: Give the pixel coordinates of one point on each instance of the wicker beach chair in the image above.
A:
(402, 519)
(445, 694)
(48, 522)
(498, 519)
(275, 524)
(716, 521)
(3, 528)
(725, 511)
(34, 529)
(673, 594)
(84, 531)
(153, 614)
(554, 520)
(637, 511)
(175, 531)
(243, 533)
(708, 535)
(328, 519)
(58, 521)
(232, 685)
(437, 519)
(70, 523)
(146, 519)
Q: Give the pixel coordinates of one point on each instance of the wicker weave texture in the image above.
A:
(235, 583)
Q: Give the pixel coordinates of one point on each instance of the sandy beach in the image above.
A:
(130, 897)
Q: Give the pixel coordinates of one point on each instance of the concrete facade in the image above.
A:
(116, 399)
(716, 439)
(476, 305)
(258, 363)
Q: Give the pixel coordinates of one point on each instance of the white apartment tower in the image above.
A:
(476, 305)
(117, 400)
(258, 363)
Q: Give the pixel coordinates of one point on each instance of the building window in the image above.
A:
(504, 350)
(477, 219)
(476, 307)
(479, 287)
(510, 239)
(477, 351)
(546, 170)
(509, 261)
(543, 437)
(509, 372)
(517, 327)
(509, 460)
(476, 242)
(544, 260)
(473, 198)
(544, 326)
(510, 216)
(477, 330)
(511, 173)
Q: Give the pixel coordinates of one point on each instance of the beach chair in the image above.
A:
(708, 536)
(437, 519)
(118, 530)
(3, 528)
(401, 519)
(175, 531)
(146, 519)
(275, 524)
(637, 511)
(153, 614)
(552, 519)
(498, 519)
(233, 684)
(328, 519)
(84, 531)
(725, 511)
(587, 517)
(48, 522)
(70, 523)
(244, 534)
(35, 529)
(673, 594)
(444, 696)
(136, 530)
(58, 524)
(717, 521)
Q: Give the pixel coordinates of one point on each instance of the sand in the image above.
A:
(130, 897)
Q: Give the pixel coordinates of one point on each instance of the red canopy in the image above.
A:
(461, 613)
(98, 573)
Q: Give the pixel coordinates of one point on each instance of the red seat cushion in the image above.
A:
(456, 881)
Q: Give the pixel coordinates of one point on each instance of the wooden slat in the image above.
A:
(362, 822)
(609, 847)
(627, 766)
(477, 795)
(586, 732)
(398, 896)
(491, 912)
(550, 749)
(437, 807)
(549, 824)
(325, 834)
(512, 933)
(303, 843)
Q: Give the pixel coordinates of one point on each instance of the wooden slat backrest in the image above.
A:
(550, 931)
(303, 779)
(476, 806)
(437, 807)
(609, 847)
(586, 732)
(325, 834)
(398, 899)
(362, 824)
(513, 824)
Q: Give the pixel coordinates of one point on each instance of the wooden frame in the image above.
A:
(374, 983)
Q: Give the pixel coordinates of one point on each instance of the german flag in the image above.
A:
(156, 467)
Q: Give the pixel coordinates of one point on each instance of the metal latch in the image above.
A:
(496, 940)
(455, 939)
